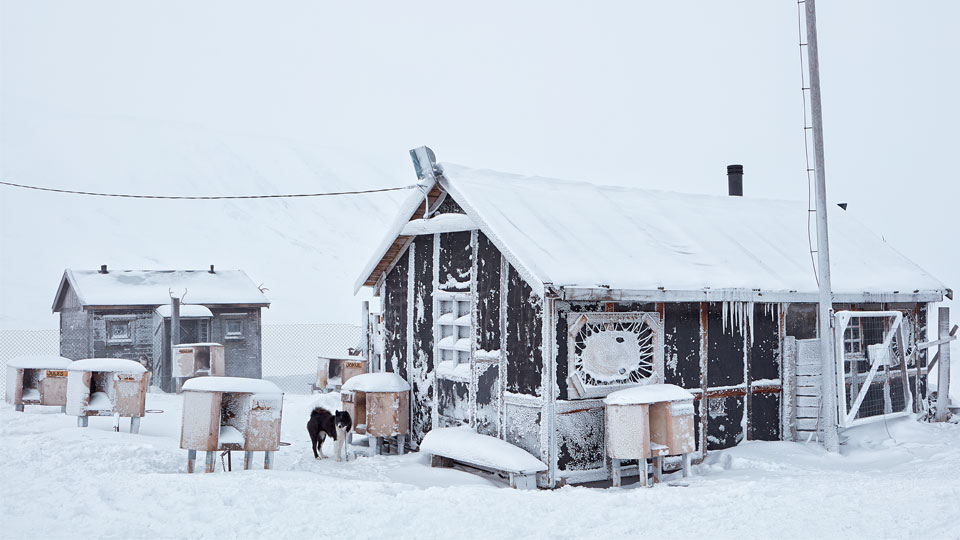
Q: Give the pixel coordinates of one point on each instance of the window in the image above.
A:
(453, 326)
(233, 328)
(203, 330)
(852, 343)
(119, 332)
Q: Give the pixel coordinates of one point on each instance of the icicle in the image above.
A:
(726, 307)
(749, 320)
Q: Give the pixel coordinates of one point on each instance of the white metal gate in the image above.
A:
(871, 359)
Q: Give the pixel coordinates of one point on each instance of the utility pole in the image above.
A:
(828, 384)
(174, 338)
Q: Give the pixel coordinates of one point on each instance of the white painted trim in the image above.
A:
(411, 298)
(441, 223)
(595, 294)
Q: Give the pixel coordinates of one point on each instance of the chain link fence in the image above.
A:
(290, 351)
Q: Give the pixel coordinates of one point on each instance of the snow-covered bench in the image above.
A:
(463, 445)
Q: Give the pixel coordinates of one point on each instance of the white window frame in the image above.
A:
(113, 321)
(227, 334)
(452, 318)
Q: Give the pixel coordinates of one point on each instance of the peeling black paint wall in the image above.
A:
(488, 294)
(423, 361)
(455, 261)
(524, 337)
(395, 317)
(681, 336)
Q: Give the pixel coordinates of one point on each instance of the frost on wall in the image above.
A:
(681, 335)
(488, 294)
(453, 402)
(523, 427)
(765, 357)
(455, 262)
(580, 440)
(488, 384)
(422, 374)
(524, 337)
(724, 425)
(395, 317)
(725, 334)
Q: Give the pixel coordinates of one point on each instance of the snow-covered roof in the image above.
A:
(187, 311)
(650, 393)
(582, 236)
(107, 364)
(39, 361)
(153, 287)
(463, 444)
(376, 382)
(231, 384)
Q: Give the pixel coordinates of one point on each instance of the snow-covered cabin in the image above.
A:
(126, 314)
(515, 304)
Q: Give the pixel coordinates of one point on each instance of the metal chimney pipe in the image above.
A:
(103, 269)
(211, 269)
(735, 180)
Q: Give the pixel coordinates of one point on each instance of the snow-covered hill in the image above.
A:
(306, 251)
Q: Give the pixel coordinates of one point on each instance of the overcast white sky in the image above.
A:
(653, 94)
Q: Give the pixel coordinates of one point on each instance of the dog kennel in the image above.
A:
(379, 404)
(198, 360)
(649, 422)
(107, 387)
(230, 413)
(37, 380)
(333, 372)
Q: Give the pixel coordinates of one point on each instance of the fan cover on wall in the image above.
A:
(607, 351)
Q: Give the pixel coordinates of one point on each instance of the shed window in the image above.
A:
(233, 328)
(119, 332)
(453, 326)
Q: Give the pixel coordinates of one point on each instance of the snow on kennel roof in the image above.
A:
(153, 287)
(599, 241)
(107, 364)
(39, 361)
(232, 384)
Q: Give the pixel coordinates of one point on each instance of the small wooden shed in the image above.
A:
(230, 413)
(379, 404)
(515, 304)
(198, 360)
(37, 380)
(107, 387)
(334, 371)
(649, 422)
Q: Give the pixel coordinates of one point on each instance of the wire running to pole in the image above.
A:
(207, 197)
(806, 146)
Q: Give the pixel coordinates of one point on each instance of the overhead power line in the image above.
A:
(208, 197)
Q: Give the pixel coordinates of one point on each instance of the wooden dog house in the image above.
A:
(649, 422)
(230, 413)
(37, 380)
(379, 404)
(333, 372)
(198, 360)
(107, 387)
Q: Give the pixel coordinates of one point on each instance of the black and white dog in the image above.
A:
(343, 424)
(322, 424)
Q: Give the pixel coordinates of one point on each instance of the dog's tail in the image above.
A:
(318, 411)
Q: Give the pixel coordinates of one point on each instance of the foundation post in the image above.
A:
(135, 424)
(247, 460)
(268, 460)
(208, 462)
(191, 460)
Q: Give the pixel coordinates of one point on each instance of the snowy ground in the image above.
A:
(60, 481)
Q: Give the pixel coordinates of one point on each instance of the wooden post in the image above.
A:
(367, 341)
(615, 472)
(18, 408)
(191, 460)
(174, 338)
(943, 371)
(135, 424)
(247, 460)
(81, 421)
(828, 387)
(685, 460)
(208, 462)
(268, 460)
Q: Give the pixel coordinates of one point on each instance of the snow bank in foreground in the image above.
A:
(65, 482)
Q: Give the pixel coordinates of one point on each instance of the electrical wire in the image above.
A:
(207, 197)
(806, 148)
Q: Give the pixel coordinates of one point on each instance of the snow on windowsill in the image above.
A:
(451, 369)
